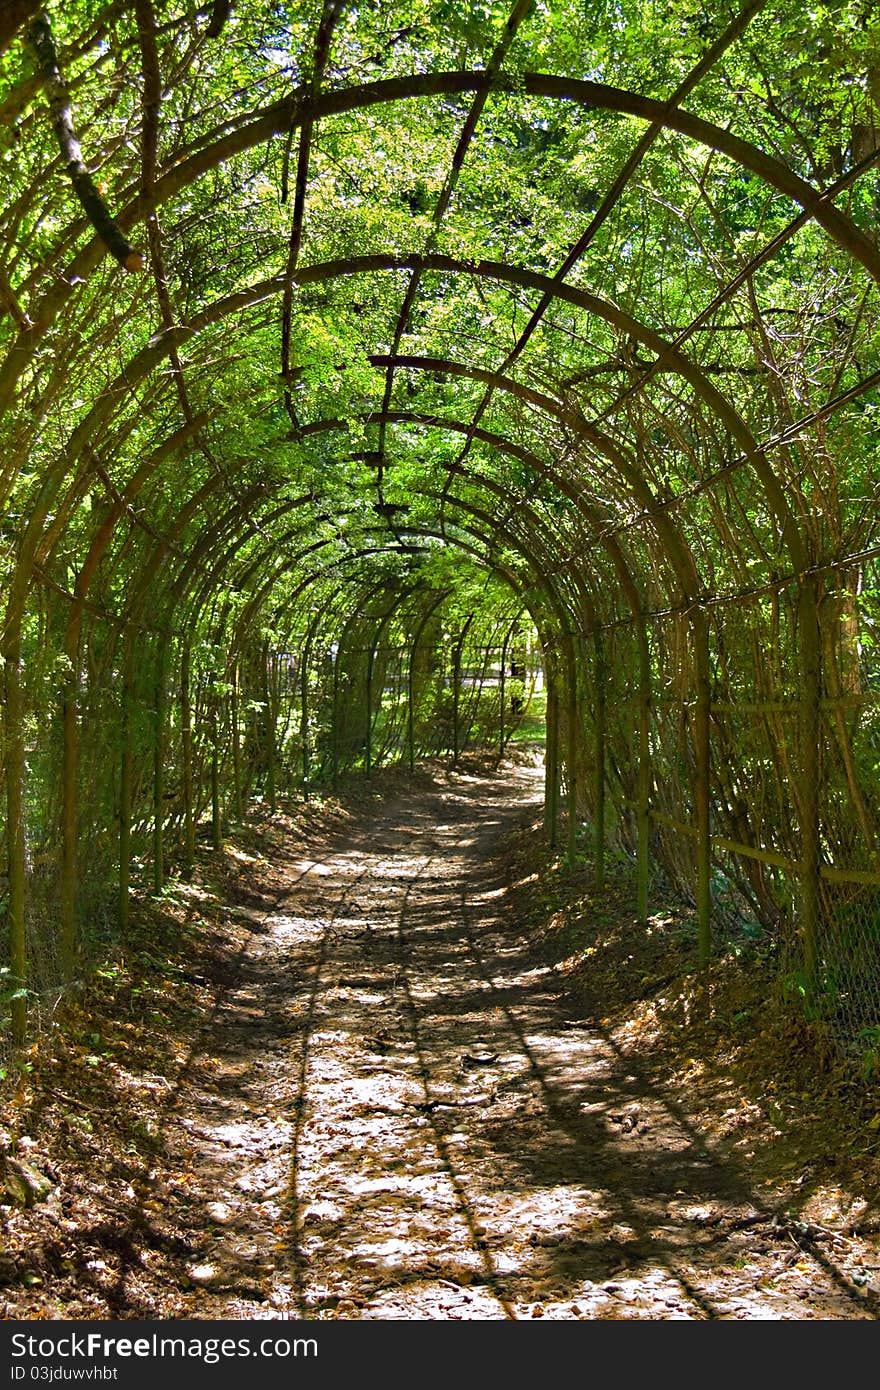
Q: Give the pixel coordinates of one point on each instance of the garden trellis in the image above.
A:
(349, 351)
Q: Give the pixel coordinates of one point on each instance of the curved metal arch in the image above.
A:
(673, 360)
(678, 553)
(608, 541)
(142, 364)
(159, 347)
(282, 116)
(216, 481)
(536, 525)
(288, 563)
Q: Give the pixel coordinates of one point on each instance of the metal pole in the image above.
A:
(67, 888)
(551, 762)
(702, 787)
(235, 715)
(159, 773)
(189, 827)
(811, 688)
(125, 786)
(413, 652)
(601, 735)
(216, 815)
(368, 741)
(456, 694)
(572, 748)
(643, 805)
(15, 836)
(269, 702)
(304, 702)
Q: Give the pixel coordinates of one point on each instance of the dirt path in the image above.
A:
(394, 1117)
(344, 1085)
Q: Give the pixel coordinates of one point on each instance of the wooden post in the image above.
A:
(15, 835)
(67, 887)
(572, 747)
(368, 741)
(811, 690)
(456, 691)
(600, 754)
(234, 716)
(125, 784)
(551, 759)
(159, 773)
(702, 787)
(269, 701)
(410, 692)
(216, 812)
(643, 804)
(186, 739)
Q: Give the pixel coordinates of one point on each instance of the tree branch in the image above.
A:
(219, 15)
(13, 14)
(39, 35)
(331, 12)
(10, 303)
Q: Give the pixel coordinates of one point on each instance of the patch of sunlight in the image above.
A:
(242, 856)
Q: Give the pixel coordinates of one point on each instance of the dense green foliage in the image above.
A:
(455, 325)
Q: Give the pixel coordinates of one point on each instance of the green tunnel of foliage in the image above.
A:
(358, 358)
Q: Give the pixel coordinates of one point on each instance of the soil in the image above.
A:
(384, 1058)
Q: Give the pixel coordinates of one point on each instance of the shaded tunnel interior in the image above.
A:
(375, 364)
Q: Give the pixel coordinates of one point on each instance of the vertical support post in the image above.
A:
(702, 786)
(269, 701)
(334, 732)
(67, 888)
(235, 716)
(216, 812)
(304, 723)
(456, 691)
(186, 740)
(125, 785)
(304, 708)
(551, 759)
(410, 703)
(504, 647)
(15, 834)
(159, 772)
(811, 688)
(601, 734)
(456, 697)
(411, 693)
(643, 801)
(572, 747)
(368, 740)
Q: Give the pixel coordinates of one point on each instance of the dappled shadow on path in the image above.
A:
(463, 1148)
(390, 1111)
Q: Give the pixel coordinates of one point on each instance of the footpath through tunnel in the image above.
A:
(384, 386)
(367, 1097)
